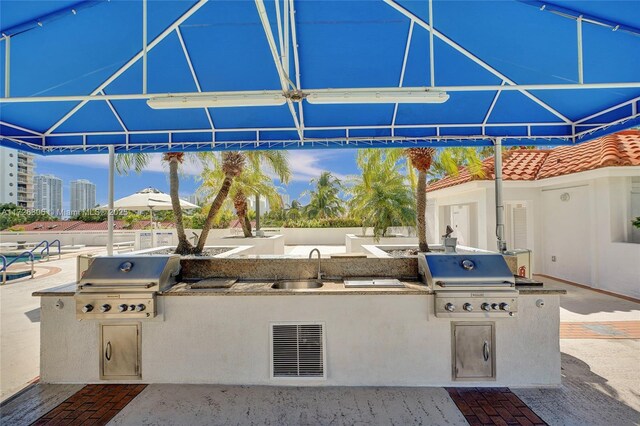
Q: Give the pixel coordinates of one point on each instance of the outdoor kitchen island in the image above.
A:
(235, 328)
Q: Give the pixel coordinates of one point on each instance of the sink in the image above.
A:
(296, 284)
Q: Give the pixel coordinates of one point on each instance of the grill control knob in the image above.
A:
(132, 307)
(87, 308)
(140, 308)
(494, 306)
(105, 308)
(504, 306)
(467, 307)
(485, 307)
(123, 308)
(449, 307)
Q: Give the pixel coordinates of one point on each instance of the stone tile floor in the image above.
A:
(600, 358)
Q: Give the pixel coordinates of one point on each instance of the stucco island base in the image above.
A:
(371, 340)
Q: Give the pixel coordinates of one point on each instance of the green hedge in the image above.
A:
(339, 222)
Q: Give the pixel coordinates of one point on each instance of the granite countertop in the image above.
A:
(525, 289)
(63, 290)
(263, 288)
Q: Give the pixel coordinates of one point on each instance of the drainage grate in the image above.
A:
(297, 350)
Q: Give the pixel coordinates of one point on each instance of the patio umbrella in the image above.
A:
(148, 199)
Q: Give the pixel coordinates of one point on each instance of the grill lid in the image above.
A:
(460, 270)
(157, 270)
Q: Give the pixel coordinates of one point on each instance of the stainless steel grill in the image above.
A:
(124, 286)
(470, 285)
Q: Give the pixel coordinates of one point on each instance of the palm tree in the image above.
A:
(294, 212)
(137, 162)
(447, 160)
(380, 195)
(325, 202)
(254, 180)
(232, 164)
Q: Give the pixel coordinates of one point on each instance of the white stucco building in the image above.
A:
(572, 206)
(16, 174)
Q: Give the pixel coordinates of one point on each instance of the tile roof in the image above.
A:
(77, 225)
(619, 149)
(54, 226)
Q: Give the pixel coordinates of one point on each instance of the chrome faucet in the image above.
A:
(319, 260)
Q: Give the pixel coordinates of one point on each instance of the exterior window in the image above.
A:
(10, 183)
(10, 174)
(10, 164)
(11, 194)
(10, 155)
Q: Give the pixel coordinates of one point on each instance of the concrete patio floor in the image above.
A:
(600, 379)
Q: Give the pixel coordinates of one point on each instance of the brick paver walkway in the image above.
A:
(493, 406)
(92, 405)
(600, 330)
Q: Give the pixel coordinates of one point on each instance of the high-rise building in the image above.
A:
(16, 174)
(264, 204)
(48, 194)
(192, 198)
(83, 195)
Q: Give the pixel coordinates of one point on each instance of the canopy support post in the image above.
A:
(502, 244)
(7, 66)
(580, 62)
(110, 202)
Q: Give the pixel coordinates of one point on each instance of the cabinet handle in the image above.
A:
(485, 351)
(107, 352)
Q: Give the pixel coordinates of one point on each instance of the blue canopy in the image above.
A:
(77, 76)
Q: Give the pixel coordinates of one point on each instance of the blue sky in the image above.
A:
(305, 165)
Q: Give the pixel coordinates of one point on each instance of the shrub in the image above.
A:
(338, 222)
(636, 222)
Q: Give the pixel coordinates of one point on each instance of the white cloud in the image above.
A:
(102, 162)
(306, 165)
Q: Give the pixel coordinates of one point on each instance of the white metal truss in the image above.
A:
(193, 9)
(310, 143)
(286, 30)
(473, 57)
(284, 75)
(23, 129)
(402, 71)
(490, 110)
(193, 72)
(473, 88)
(296, 60)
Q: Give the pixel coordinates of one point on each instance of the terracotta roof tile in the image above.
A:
(620, 149)
(76, 225)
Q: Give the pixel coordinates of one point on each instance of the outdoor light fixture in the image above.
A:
(377, 97)
(218, 100)
(321, 96)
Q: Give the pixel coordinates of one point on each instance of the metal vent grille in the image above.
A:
(297, 350)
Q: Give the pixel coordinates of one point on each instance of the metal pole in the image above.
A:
(110, 202)
(580, 61)
(7, 67)
(257, 213)
(144, 46)
(502, 245)
(432, 64)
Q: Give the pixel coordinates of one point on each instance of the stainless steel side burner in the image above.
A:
(470, 285)
(117, 287)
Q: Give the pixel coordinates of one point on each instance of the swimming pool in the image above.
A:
(25, 258)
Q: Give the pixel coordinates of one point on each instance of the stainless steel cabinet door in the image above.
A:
(473, 351)
(120, 352)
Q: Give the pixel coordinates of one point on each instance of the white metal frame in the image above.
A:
(287, 33)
